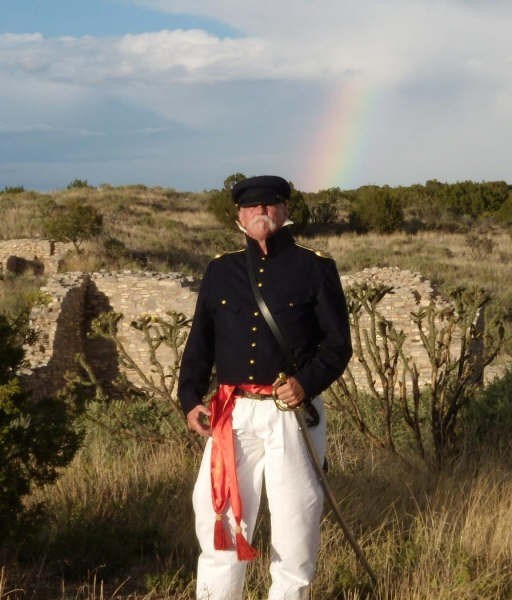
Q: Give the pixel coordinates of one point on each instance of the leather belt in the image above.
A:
(252, 395)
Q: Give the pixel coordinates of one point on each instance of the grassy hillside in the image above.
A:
(118, 522)
(164, 230)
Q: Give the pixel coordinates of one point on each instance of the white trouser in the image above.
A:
(267, 442)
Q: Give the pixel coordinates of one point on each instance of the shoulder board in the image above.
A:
(317, 252)
(231, 252)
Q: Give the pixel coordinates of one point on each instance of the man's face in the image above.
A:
(263, 220)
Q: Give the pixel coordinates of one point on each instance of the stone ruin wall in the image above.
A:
(410, 293)
(43, 253)
(136, 294)
(59, 328)
(76, 298)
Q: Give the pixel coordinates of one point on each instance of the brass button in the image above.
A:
(256, 313)
(263, 258)
(251, 377)
(262, 270)
(252, 361)
(254, 329)
(253, 345)
(223, 301)
(290, 304)
(260, 284)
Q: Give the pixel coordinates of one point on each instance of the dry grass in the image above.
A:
(164, 229)
(161, 229)
(119, 520)
(445, 258)
(426, 536)
(448, 260)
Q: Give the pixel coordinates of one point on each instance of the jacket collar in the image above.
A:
(276, 243)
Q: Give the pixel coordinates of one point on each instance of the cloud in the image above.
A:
(210, 105)
(382, 43)
(164, 57)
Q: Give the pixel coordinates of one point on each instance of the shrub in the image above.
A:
(16, 189)
(77, 184)
(376, 209)
(36, 438)
(74, 222)
(396, 408)
(480, 246)
(504, 214)
(324, 212)
(154, 412)
(489, 418)
(298, 209)
(221, 204)
(114, 249)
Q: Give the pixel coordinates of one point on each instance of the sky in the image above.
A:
(183, 93)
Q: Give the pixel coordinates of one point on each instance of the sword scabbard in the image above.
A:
(322, 478)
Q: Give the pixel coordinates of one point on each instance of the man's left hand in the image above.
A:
(291, 392)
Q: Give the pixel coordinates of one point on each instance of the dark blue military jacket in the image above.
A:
(302, 290)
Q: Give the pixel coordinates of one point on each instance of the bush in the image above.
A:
(504, 214)
(36, 438)
(74, 222)
(221, 204)
(397, 412)
(77, 184)
(114, 249)
(298, 209)
(16, 189)
(480, 246)
(376, 209)
(489, 418)
(324, 212)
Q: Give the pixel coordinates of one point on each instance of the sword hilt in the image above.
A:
(281, 380)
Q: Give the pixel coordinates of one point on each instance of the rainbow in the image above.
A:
(335, 157)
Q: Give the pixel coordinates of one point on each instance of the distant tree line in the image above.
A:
(384, 209)
(435, 205)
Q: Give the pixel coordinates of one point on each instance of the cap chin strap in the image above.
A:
(241, 227)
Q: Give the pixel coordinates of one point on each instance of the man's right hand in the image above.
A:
(195, 419)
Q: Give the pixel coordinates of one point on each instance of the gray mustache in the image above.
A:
(264, 218)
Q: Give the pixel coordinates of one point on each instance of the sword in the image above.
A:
(320, 473)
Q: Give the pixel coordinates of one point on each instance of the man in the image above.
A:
(250, 436)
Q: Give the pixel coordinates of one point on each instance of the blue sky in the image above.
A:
(182, 93)
(97, 17)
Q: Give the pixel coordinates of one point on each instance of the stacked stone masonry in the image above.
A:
(410, 293)
(39, 256)
(59, 332)
(76, 298)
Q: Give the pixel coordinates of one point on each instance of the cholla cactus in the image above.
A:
(156, 386)
(458, 346)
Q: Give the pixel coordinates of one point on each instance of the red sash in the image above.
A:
(223, 468)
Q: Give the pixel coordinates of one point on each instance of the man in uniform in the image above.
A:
(249, 437)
